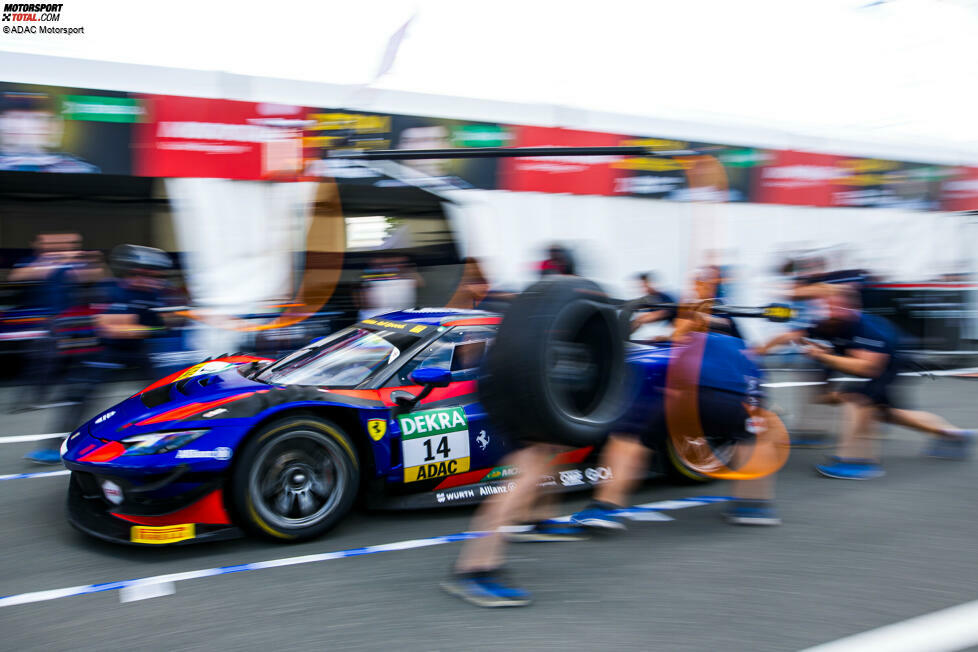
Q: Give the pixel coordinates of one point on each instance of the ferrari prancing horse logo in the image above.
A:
(377, 428)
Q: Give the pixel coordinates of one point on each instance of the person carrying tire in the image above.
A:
(717, 394)
(554, 378)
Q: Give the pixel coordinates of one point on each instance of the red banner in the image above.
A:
(799, 178)
(197, 137)
(579, 175)
(960, 192)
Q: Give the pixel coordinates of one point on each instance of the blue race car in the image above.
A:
(386, 410)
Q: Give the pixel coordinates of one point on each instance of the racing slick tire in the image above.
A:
(556, 372)
(295, 479)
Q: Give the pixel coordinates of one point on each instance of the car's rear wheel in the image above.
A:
(295, 479)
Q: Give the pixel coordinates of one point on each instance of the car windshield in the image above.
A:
(344, 359)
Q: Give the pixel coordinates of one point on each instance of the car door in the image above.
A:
(448, 433)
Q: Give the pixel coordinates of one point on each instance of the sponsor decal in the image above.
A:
(220, 453)
(451, 496)
(204, 368)
(483, 439)
(571, 478)
(164, 534)
(105, 417)
(214, 413)
(502, 472)
(395, 325)
(112, 492)
(598, 474)
(377, 428)
(434, 443)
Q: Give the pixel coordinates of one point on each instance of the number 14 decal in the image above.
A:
(442, 449)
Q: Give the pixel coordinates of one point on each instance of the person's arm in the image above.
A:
(857, 362)
(37, 270)
(781, 340)
(121, 326)
(649, 318)
(810, 291)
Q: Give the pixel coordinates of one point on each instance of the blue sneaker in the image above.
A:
(547, 531)
(851, 469)
(485, 590)
(751, 512)
(956, 447)
(44, 456)
(599, 516)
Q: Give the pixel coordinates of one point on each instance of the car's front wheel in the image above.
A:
(295, 479)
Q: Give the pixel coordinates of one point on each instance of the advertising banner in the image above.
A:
(959, 192)
(418, 132)
(878, 183)
(198, 137)
(335, 129)
(579, 175)
(798, 178)
(67, 130)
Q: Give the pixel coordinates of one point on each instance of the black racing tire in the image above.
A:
(556, 372)
(295, 479)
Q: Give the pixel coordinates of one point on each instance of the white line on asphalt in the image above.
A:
(172, 578)
(42, 474)
(942, 631)
(13, 439)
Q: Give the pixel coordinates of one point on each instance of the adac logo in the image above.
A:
(377, 428)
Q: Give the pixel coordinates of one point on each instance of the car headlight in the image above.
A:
(159, 442)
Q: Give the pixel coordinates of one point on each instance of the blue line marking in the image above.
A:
(42, 474)
(54, 594)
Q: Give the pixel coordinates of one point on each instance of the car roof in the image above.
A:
(436, 316)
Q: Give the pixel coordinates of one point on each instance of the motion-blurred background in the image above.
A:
(801, 138)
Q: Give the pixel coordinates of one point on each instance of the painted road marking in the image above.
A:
(145, 591)
(13, 439)
(946, 630)
(850, 379)
(173, 578)
(42, 474)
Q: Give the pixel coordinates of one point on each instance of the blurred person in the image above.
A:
(59, 272)
(478, 575)
(559, 261)
(473, 288)
(728, 405)
(124, 326)
(651, 294)
(30, 134)
(865, 346)
(390, 284)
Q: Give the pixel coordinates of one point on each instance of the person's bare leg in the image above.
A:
(757, 489)
(486, 553)
(922, 421)
(859, 432)
(628, 459)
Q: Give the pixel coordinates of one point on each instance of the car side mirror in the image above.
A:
(431, 377)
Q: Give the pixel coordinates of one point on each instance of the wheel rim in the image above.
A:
(298, 479)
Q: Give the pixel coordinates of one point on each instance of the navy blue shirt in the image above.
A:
(726, 367)
(119, 299)
(867, 333)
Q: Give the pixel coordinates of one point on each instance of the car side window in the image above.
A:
(461, 351)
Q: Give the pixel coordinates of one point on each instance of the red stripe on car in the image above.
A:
(463, 478)
(104, 453)
(575, 456)
(189, 410)
(208, 510)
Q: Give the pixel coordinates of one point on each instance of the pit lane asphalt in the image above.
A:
(850, 556)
